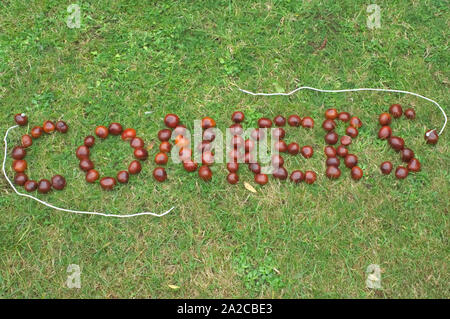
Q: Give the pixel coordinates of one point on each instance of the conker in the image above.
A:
(137, 142)
(237, 141)
(255, 168)
(397, 143)
(92, 175)
(386, 167)
(395, 110)
(209, 135)
(62, 127)
(161, 158)
(279, 120)
(414, 165)
(264, 122)
(333, 172)
(331, 138)
(21, 119)
(257, 134)
(297, 176)
(384, 119)
(108, 183)
(27, 141)
(261, 179)
(115, 129)
(20, 179)
(431, 137)
(410, 114)
(36, 131)
(82, 152)
(333, 161)
(237, 117)
(58, 182)
(384, 132)
(293, 148)
(101, 131)
(204, 146)
(307, 122)
(30, 186)
(190, 165)
(356, 173)
(307, 151)
(401, 172)
(344, 116)
(207, 158)
(44, 186)
(164, 135)
(122, 177)
(355, 122)
(135, 167)
(277, 160)
(19, 166)
(329, 125)
(331, 114)
(233, 178)
(89, 141)
(184, 154)
(18, 153)
(171, 120)
(48, 127)
(281, 146)
(280, 173)
(406, 154)
(204, 172)
(86, 164)
(341, 151)
(165, 147)
(141, 153)
(182, 141)
(208, 122)
(350, 160)
(330, 151)
(129, 134)
(351, 131)
(294, 120)
(278, 133)
(249, 145)
(232, 167)
(159, 173)
(310, 177)
(236, 129)
(346, 140)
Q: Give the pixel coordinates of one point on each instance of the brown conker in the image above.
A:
(58, 182)
(108, 183)
(18, 153)
(21, 119)
(101, 131)
(331, 138)
(261, 179)
(279, 120)
(204, 172)
(294, 120)
(171, 120)
(238, 117)
(27, 141)
(233, 178)
(356, 173)
(92, 175)
(135, 167)
(386, 167)
(115, 129)
(307, 151)
(331, 114)
(89, 141)
(395, 110)
(401, 172)
(48, 127)
(122, 177)
(128, 134)
(36, 131)
(159, 173)
(19, 166)
(44, 186)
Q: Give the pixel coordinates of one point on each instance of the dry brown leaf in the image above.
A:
(249, 187)
(173, 287)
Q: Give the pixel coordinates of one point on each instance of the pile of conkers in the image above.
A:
(115, 129)
(19, 153)
(332, 138)
(398, 144)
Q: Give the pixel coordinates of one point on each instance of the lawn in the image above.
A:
(134, 63)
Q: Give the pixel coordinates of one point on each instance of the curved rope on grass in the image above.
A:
(65, 209)
(354, 90)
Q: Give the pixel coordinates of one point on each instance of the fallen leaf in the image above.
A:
(249, 187)
(173, 287)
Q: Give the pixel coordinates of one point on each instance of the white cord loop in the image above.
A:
(65, 209)
(354, 90)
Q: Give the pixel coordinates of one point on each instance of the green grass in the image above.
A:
(189, 57)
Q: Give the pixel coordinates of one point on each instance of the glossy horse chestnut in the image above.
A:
(86, 164)
(21, 119)
(108, 183)
(386, 167)
(101, 131)
(261, 179)
(135, 167)
(36, 131)
(115, 129)
(20, 179)
(129, 134)
(330, 151)
(355, 122)
(92, 175)
(232, 167)
(62, 127)
(82, 152)
(140, 154)
(328, 125)
(122, 177)
(208, 122)
(293, 148)
(281, 146)
(236, 129)
(44, 186)
(58, 182)
(159, 173)
(89, 141)
(333, 172)
(277, 160)
(332, 161)
(30, 185)
(165, 147)
(280, 173)
(310, 177)
(414, 165)
(297, 176)
(237, 141)
(307, 122)
(18, 153)
(307, 151)
(182, 141)
(190, 165)
(431, 137)
(351, 131)
(294, 120)
(27, 141)
(341, 151)
(384, 132)
(207, 158)
(384, 119)
(406, 154)
(255, 168)
(356, 173)
(164, 135)
(19, 166)
(401, 172)
(233, 178)
(238, 117)
(137, 142)
(171, 120)
(264, 122)
(49, 127)
(249, 145)
(395, 110)
(397, 143)
(350, 160)
(279, 120)
(257, 134)
(331, 114)
(346, 140)
(204, 172)
(344, 116)
(209, 135)
(278, 133)
(410, 114)
(184, 154)
(331, 138)
(161, 158)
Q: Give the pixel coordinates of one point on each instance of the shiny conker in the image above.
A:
(129, 134)
(344, 116)
(395, 110)
(232, 167)
(431, 137)
(249, 145)
(351, 131)
(279, 120)
(58, 182)
(208, 122)
(355, 122)
(280, 173)
(190, 165)
(164, 135)
(346, 140)
(21, 119)
(294, 120)
(331, 114)
(401, 172)
(48, 127)
(36, 131)
(328, 125)
(182, 141)
(278, 133)
(86, 164)
(159, 173)
(307, 151)
(18, 153)
(293, 148)
(209, 135)
(255, 168)
(165, 147)
(307, 122)
(161, 158)
(330, 151)
(333, 172)
(44, 186)
(92, 175)
(108, 183)
(341, 151)
(264, 122)
(281, 146)
(82, 152)
(261, 179)
(384, 119)
(356, 173)
(62, 127)
(137, 142)
(397, 143)
(257, 134)
(238, 117)
(115, 129)
(27, 141)
(410, 114)
(135, 167)
(414, 165)
(171, 120)
(30, 185)
(297, 176)
(101, 131)
(310, 177)
(122, 177)
(20, 179)
(277, 160)
(384, 132)
(204, 172)
(350, 160)
(89, 141)
(331, 138)
(233, 178)
(333, 161)
(184, 154)
(386, 167)
(406, 154)
(236, 129)
(141, 153)
(19, 166)
(207, 158)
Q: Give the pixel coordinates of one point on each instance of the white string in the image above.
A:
(354, 90)
(65, 209)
